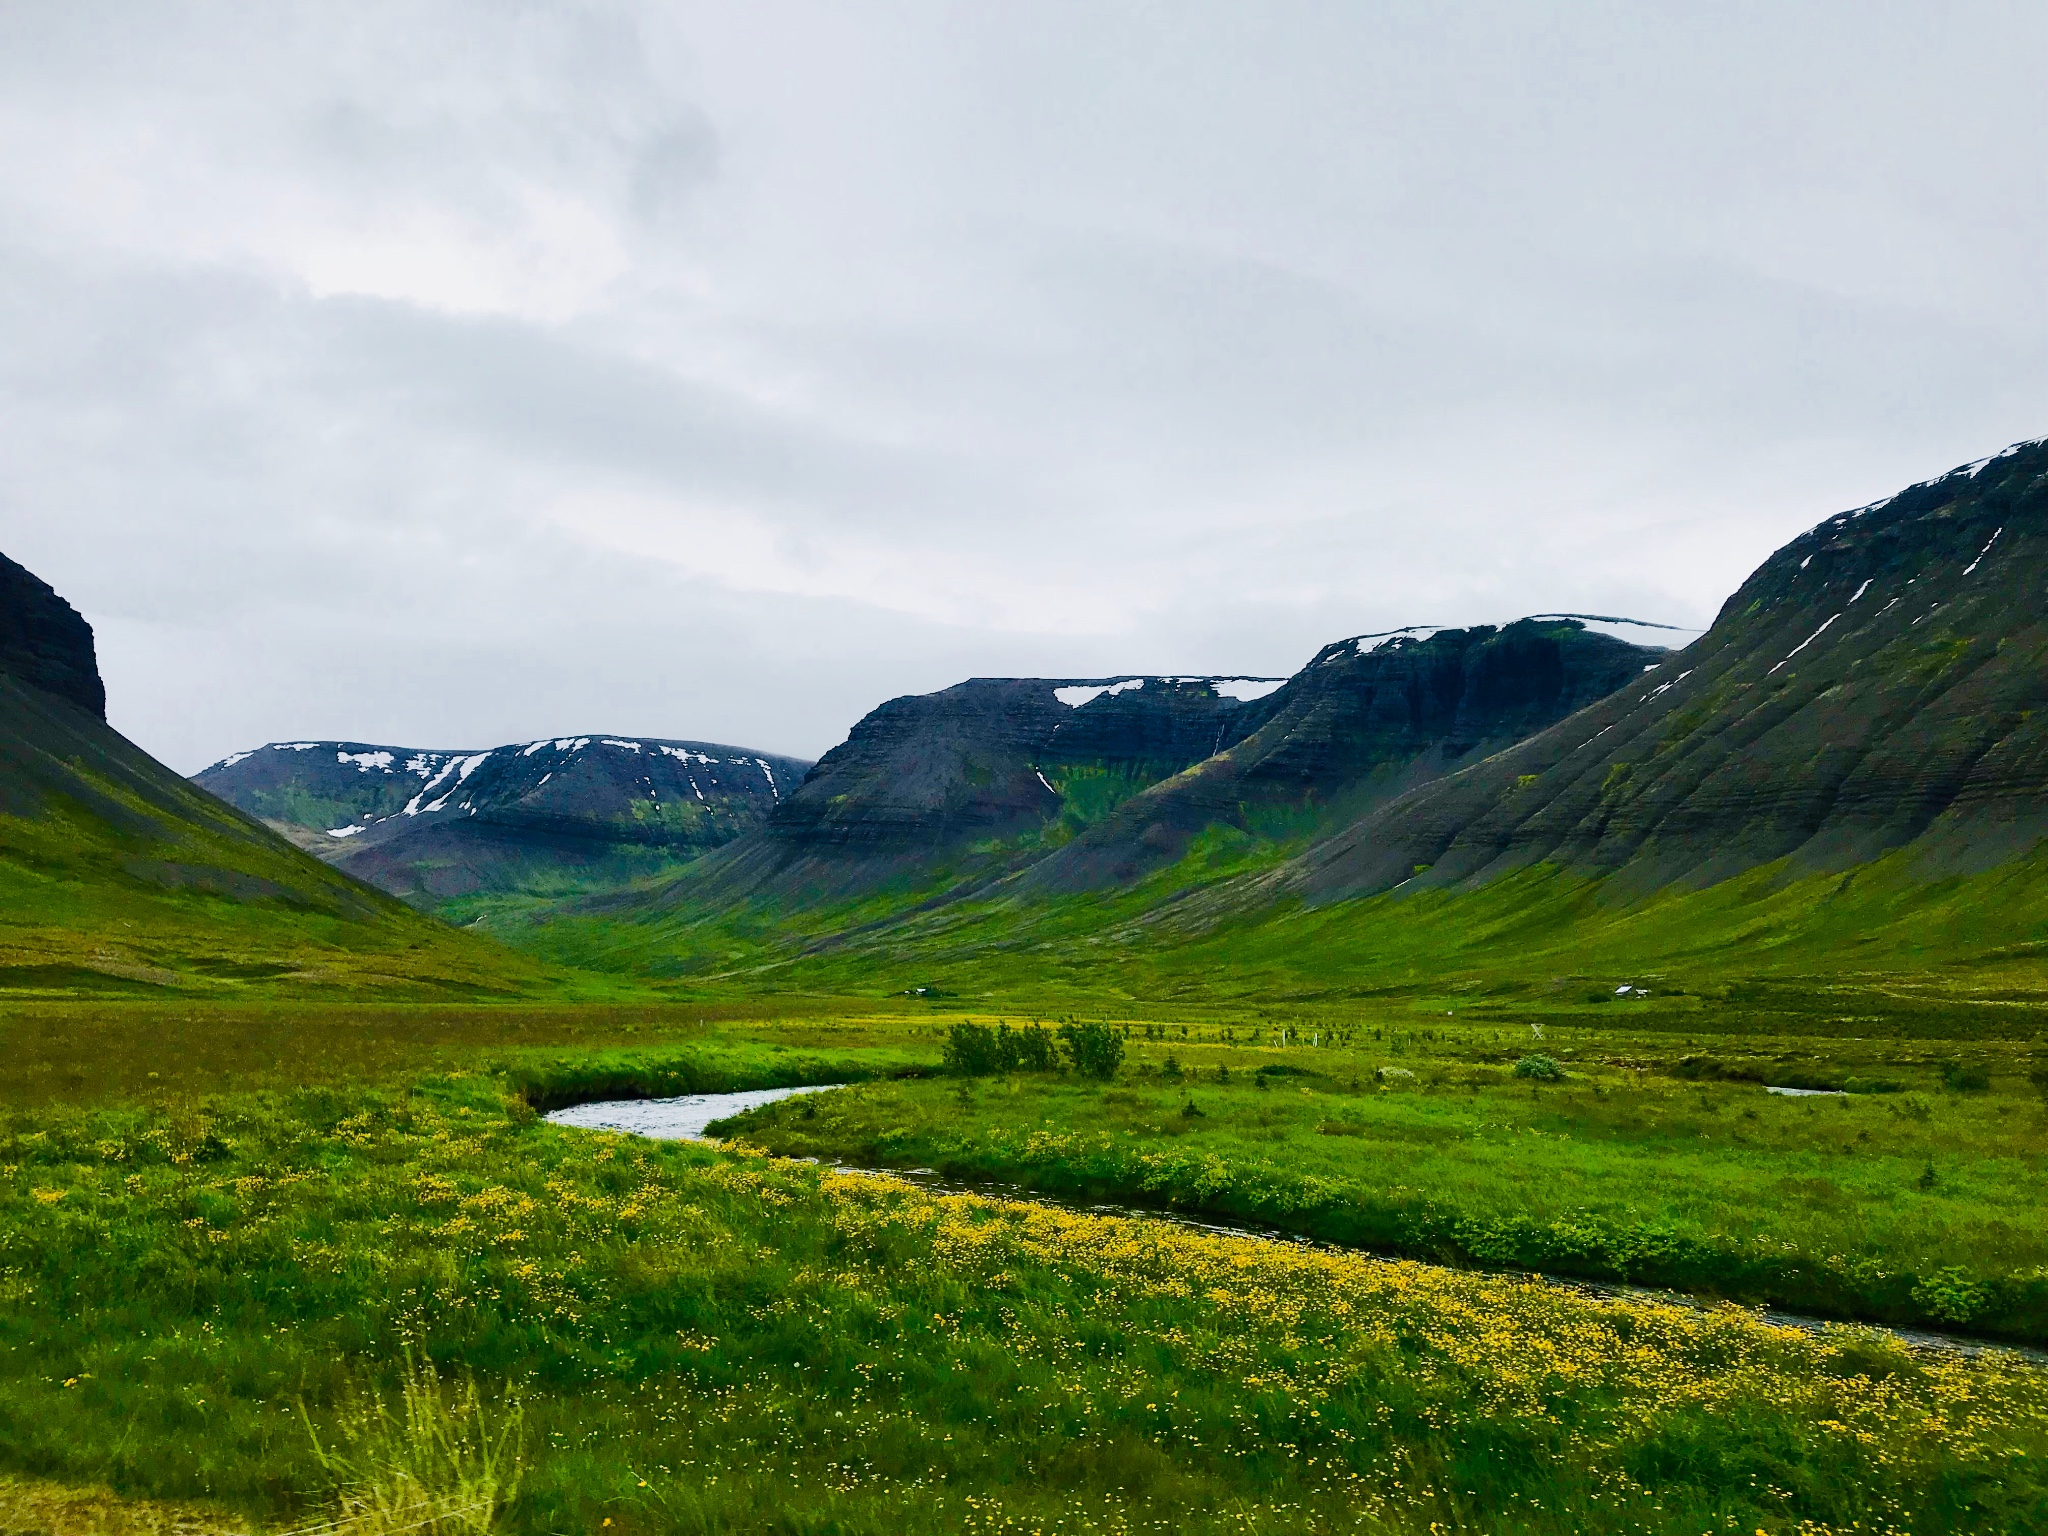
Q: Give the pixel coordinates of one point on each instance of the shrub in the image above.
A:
(1950, 1295)
(971, 1050)
(975, 1050)
(1033, 1048)
(1096, 1050)
(1542, 1068)
(1710, 1069)
(1960, 1077)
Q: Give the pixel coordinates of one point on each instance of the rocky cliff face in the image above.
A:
(557, 814)
(1367, 719)
(46, 643)
(1881, 682)
(991, 761)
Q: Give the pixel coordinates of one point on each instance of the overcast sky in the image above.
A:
(447, 374)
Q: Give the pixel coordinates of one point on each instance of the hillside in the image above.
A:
(1878, 684)
(1367, 719)
(1841, 784)
(118, 875)
(564, 815)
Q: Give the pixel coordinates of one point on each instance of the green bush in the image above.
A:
(975, 1050)
(1542, 1068)
(1964, 1077)
(971, 1050)
(1096, 1050)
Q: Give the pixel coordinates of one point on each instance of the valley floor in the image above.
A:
(220, 1273)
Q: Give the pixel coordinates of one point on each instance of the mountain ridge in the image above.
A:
(1874, 682)
(434, 824)
(983, 771)
(1360, 723)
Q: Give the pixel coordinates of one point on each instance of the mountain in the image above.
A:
(1842, 784)
(562, 814)
(1879, 685)
(972, 815)
(118, 875)
(1367, 719)
(971, 780)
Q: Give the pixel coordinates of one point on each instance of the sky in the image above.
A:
(445, 374)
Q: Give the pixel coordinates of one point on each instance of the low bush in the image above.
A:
(1096, 1050)
(975, 1050)
(1964, 1077)
(1543, 1069)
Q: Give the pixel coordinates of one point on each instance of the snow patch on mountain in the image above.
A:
(1080, 694)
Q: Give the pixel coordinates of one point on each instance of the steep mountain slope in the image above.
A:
(1365, 720)
(117, 874)
(1881, 683)
(989, 770)
(563, 814)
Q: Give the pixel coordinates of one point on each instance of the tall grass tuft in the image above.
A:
(439, 1466)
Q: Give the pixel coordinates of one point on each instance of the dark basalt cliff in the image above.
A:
(555, 814)
(1882, 681)
(1366, 720)
(928, 777)
(46, 643)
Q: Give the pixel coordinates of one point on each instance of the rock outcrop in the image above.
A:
(46, 643)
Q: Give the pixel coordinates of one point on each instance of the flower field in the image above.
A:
(718, 1340)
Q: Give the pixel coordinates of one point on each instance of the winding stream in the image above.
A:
(685, 1119)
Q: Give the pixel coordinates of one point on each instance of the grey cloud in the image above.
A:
(461, 372)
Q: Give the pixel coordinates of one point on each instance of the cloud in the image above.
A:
(466, 372)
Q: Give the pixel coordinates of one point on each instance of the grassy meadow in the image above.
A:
(1919, 1199)
(337, 1252)
(1204, 934)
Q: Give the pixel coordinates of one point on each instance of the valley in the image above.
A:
(1486, 961)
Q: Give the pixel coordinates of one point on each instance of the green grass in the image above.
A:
(711, 1341)
(1919, 1206)
(112, 1052)
(1188, 937)
(219, 1223)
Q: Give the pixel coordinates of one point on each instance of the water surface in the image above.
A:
(678, 1119)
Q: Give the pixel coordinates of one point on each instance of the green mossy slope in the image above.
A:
(116, 875)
